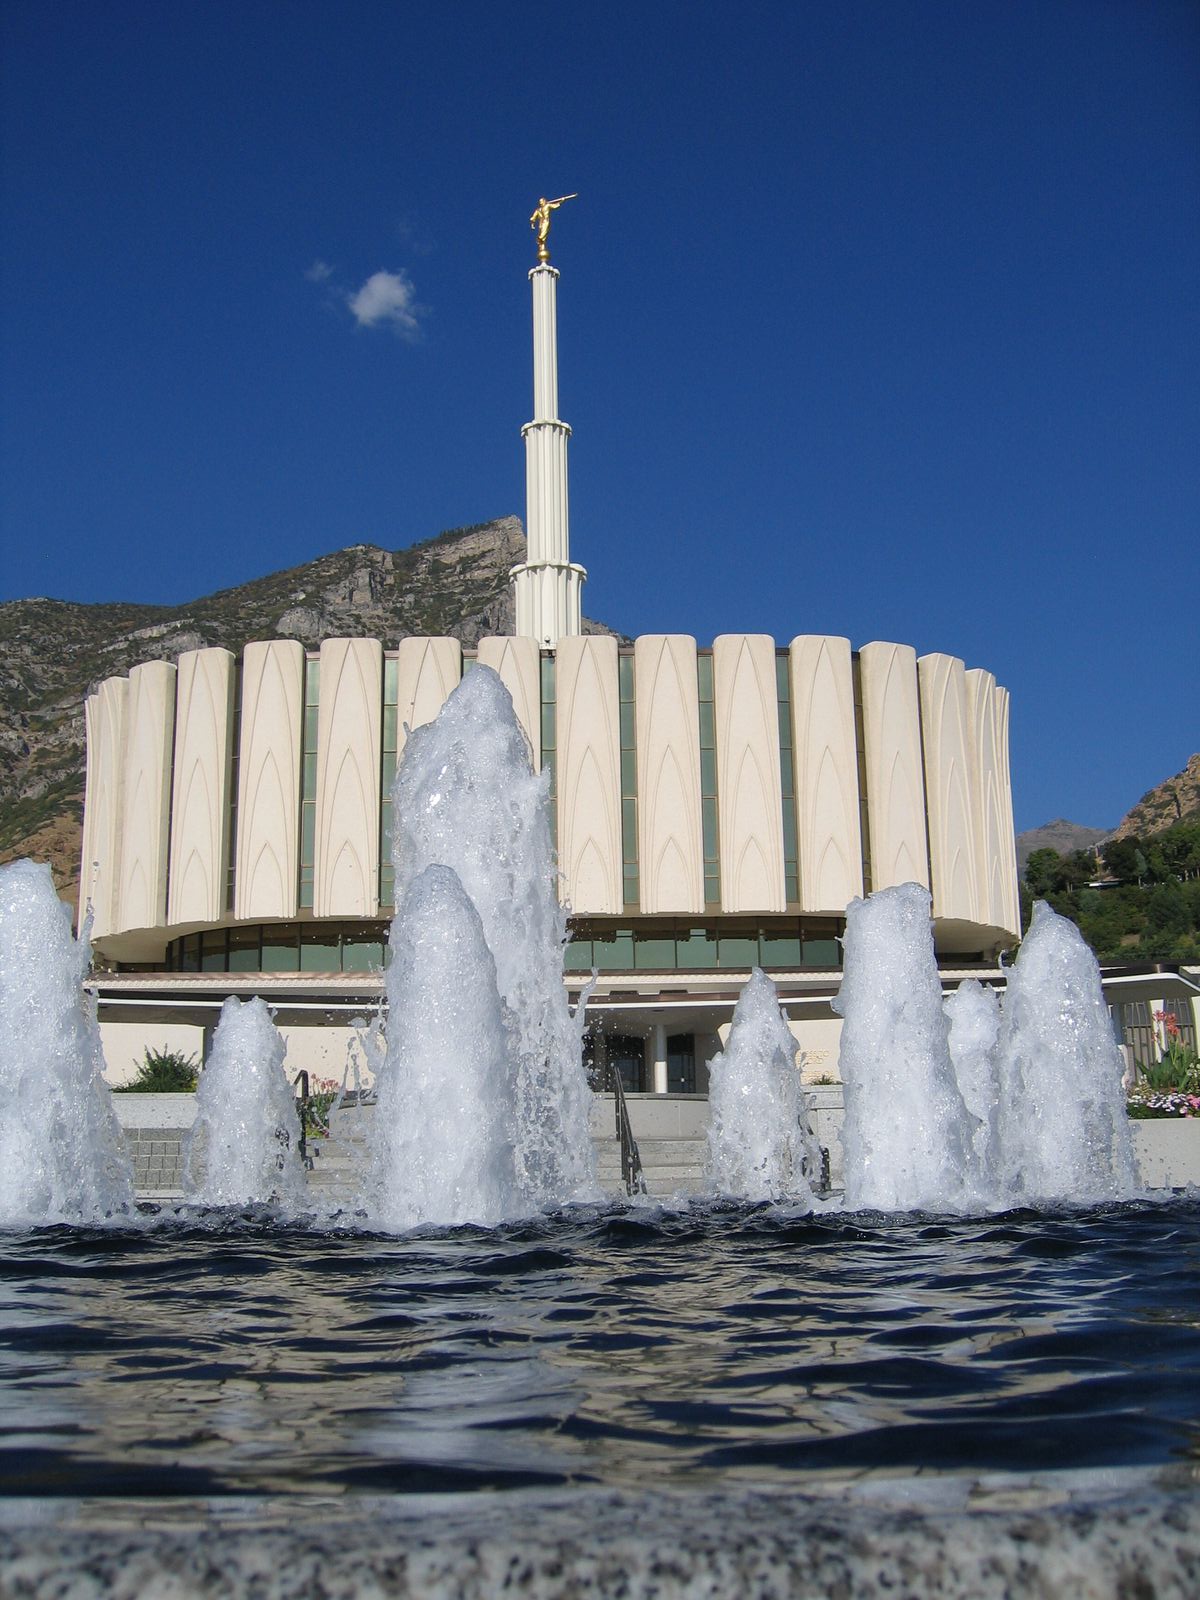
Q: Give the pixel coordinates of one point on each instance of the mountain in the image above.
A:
(1175, 800)
(54, 652)
(1059, 835)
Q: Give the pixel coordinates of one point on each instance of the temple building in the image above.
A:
(716, 808)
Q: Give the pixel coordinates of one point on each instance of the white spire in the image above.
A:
(548, 585)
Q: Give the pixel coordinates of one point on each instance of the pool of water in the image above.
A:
(710, 1347)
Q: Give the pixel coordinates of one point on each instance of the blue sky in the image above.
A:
(877, 317)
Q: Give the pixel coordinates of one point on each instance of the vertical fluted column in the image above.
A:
(547, 586)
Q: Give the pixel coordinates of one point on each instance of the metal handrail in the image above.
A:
(301, 1079)
(632, 1175)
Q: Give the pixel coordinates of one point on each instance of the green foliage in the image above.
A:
(1152, 913)
(164, 1072)
(316, 1113)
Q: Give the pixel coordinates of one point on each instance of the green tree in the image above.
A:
(1121, 857)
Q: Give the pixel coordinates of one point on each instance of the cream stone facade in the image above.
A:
(715, 809)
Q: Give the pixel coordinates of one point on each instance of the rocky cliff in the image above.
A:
(1175, 800)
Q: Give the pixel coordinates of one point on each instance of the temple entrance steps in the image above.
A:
(669, 1166)
(671, 1131)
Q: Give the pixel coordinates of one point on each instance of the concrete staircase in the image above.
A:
(338, 1162)
(670, 1130)
(669, 1166)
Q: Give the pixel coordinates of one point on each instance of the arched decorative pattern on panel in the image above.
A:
(946, 739)
(349, 745)
(589, 774)
(268, 841)
(748, 781)
(991, 782)
(670, 842)
(100, 867)
(895, 784)
(200, 787)
(827, 799)
(517, 661)
(428, 672)
(146, 790)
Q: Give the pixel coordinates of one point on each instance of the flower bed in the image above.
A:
(1171, 1087)
(1163, 1103)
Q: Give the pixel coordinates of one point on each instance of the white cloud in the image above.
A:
(386, 298)
(319, 272)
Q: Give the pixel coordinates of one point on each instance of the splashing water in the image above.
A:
(465, 798)
(968, 1106)
(445, 1125)
(907, 1137)
(61, 1152)
(1064, 1132)
(760, 1146)
(974, 1016)
(244, 1146)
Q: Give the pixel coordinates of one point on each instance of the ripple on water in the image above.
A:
(229, 1354)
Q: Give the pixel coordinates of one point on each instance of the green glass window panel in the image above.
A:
(362, 955)
(308, 833)
(786, 777)
(387, 887)
(696, 949)
(708, 811)
(310, 727)
(628, 737)
(308, 776)
(385, 831)
(391, 681)
(548, 721)
(312, 682)
(789, 833)
(305, 896)
(390, 722)
(628, 772)
(654, 955)
(782, 680)
(578, 956)
(189, 955)
(629, 828)
(738, 951)
(708, 772)
(613, 952)
(708, 725)
(712, 889)
(318, 953)
(213, 961)
(280, 952)
(791, 885)
(243, 950)
(387, 772)
(704, 677)
(631, 893)
(625, 676)
(822, 953)
(779, 949)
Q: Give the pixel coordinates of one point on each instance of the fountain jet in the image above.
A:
(62, 1157)
(760, 1146)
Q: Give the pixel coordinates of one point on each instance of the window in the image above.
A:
(681, 1063)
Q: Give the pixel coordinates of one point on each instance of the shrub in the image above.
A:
(164, 1072)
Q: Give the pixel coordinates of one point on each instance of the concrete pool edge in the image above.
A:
(604, 1542)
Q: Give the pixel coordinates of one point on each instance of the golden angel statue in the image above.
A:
(540, 222)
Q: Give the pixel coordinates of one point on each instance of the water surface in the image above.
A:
(610, 1347)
